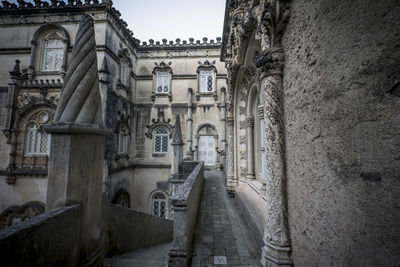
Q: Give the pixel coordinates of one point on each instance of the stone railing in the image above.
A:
(185, 204)
(126, 230)
(50, 239)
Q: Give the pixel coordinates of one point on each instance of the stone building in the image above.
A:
(143, 85)
(298, 104)
(312, 128)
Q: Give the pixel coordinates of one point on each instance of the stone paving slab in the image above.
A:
(221, 236)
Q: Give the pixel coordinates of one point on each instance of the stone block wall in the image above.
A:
(50, 239)
(342, 122)
(126, 230)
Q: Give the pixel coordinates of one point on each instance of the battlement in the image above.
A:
(181, 43)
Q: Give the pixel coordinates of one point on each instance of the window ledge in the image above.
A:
(154, 95)
(160, 154)
(206, 94)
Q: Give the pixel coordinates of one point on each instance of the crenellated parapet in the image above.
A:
(178, 43)
(70, 7)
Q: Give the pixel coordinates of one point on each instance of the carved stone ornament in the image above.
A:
(80, 101)
(160, 122)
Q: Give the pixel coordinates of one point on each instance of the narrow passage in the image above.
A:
(222, 236)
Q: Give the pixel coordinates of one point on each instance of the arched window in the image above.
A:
(159, 205)
(122, 199)
(123, 140)
(37, 141)
(161, 141)
(53, 53)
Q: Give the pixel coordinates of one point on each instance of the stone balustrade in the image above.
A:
(185, 204)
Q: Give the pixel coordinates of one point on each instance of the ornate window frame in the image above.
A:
(44, 33)
(162, 67)
(161, 198)
(206, 66)
(124, 70)
(161, 138)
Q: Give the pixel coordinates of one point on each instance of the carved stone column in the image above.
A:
(223, 120)
(230, 159)
(260, 110)
(276, 251)
(250, 147)
(189, 138)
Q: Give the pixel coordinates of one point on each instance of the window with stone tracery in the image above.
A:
(161, 141)
(37, 141)
(123, 140)
(53, 54)
(206, 81)
(162, 82)
(159, 205)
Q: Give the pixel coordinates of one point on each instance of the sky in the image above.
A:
(172, 19)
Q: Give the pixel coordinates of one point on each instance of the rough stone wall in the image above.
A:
(342, 132)
(129, 230)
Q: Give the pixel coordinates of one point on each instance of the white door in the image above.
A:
(207, 150)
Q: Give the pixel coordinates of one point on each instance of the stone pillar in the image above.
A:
(76, 176)
(177, 143)
(250, 147)
(9, 131)
(176, 164)
(189, 138)
(223, 120)
(276, 251)
(230, 159)
(77, 145)
(260, 110)
(31, 68)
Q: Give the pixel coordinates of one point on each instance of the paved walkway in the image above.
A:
(222, 237)
(156, 256)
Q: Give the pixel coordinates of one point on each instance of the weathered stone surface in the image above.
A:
(80, 99)
(127, 230)
(342, 132)
(50, 239)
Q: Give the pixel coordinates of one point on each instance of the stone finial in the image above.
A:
(16, 72)
(178, 41)
(171, 42)
(205, 40)
(80, 100)
(218, 39)
(164, 41)
(151, 41)
(191, 40)
(177, 139)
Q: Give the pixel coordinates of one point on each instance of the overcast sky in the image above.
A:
(171, 19)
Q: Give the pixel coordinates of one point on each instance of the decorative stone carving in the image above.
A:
(80, 101)
(16, 214)
(160, 122)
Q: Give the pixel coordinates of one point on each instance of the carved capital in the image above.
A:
(250, 121)
(271, 62)
(230, 121)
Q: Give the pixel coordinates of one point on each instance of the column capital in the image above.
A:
(271, 62)
(230, 121)
(250, 121)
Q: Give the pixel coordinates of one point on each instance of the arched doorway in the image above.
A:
(207, 140)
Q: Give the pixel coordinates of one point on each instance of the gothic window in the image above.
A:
(159, 205)
(53, 54)
(123, 140)
(161, 141)
(206, 82)
(162, 82)
(37, 141)
(124, 75)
